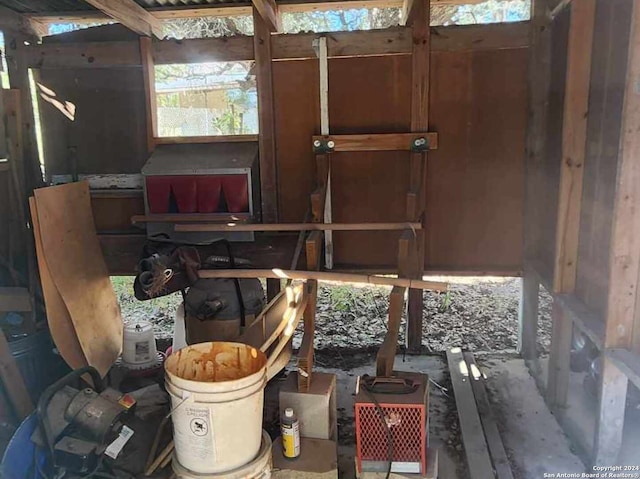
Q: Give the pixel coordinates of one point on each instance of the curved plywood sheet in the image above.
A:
(71, 251)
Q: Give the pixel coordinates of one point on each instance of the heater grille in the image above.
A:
(408, 432)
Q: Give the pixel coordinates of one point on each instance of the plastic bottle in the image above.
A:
(290, 429)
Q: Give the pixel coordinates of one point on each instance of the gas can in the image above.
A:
(290, 429)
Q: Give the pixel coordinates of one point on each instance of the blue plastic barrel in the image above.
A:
(19, 460)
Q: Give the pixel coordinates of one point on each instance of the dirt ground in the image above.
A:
(479, 314)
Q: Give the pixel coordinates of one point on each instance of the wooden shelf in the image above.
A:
(627, 362)
(584, 319)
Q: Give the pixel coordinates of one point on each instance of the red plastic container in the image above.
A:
(236, 193)
(158, 193)
(186, 193)
(209, 189)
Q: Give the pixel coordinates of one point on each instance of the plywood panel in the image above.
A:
(475, 186)
(603, 138)
(73, 257)
(474, 180)
(369, 95)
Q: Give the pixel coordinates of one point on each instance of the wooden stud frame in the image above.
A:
(574, 137)
(624, 263)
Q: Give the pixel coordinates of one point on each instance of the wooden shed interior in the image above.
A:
(508, 149)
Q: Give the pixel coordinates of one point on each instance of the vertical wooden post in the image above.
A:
(574, 137)
(418, 19)
(574, 141)
(559, 359)
(149, 79)
(539, 78)
(266, 123)
(539, 84)
(17, 65)
(313, 247)
(624, 262)
(528, 316)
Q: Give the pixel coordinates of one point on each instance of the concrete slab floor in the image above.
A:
(533, 440)
(579, 418)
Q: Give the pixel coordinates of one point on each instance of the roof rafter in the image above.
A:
(131, 15)
(11, 20)
(268, 10)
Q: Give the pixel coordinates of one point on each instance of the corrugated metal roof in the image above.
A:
(52, 6)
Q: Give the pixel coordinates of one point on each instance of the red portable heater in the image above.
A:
(392, 423)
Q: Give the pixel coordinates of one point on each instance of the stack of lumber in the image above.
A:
(486, 456)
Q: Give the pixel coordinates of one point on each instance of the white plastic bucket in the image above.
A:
(259, 468)
(217, 394)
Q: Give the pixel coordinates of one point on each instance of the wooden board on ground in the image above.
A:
(475, 445)
(60, 324)
(72, 252)
(492, 435)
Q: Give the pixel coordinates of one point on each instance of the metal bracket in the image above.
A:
(323, 146)
(420, 144)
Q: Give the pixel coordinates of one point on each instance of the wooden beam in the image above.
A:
(268, 10)
(558, 8)
(11, 20)
(419, 19)
(179, 140)
(528, 316)
(624, 262)
(475, 445)
(559, 359)
(192, 218)
(390, 41)
(300, 227)
(387, 352)
(149, 80)
(489, 425)
(379, 142)
(313, 248)
(324, 276)
(574, 141)
(267, 138)
(131, 15)
(627, 362)
(234, 48)
(610, 417)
